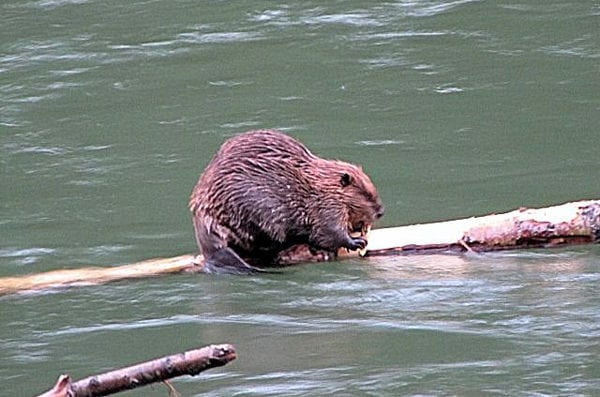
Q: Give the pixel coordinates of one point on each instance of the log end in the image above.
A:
(62, 388)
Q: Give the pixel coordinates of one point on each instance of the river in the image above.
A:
(110, 110)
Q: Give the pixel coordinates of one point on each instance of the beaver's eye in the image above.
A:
(346, 179)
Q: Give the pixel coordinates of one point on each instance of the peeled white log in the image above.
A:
(570, 223)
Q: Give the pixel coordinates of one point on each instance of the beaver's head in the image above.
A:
(361, 199)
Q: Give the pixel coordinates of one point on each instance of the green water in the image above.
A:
(110, 110)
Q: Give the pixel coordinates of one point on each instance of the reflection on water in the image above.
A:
(109, 111)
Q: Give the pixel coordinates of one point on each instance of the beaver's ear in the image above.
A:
(346, 179)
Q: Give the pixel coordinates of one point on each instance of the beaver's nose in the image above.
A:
(380, 212)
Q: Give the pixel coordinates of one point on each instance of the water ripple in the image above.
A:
(26, 256)
(218, 37)
(50, 4)
(382, 142)
(431, 8)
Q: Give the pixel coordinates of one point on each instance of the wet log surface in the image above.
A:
(570, 223)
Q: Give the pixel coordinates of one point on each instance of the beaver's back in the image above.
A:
(256, 186)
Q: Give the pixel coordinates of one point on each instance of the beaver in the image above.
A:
(264, 194)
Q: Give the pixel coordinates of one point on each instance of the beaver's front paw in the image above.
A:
(356, 243)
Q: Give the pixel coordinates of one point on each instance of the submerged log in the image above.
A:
(570, 223)
(162, 369)
(98, 275)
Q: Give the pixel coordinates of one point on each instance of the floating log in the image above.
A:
(570, 223)
(162, 369)
(98, 275)
(566, 224)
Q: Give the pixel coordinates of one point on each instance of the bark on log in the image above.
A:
(191, 362)
(570, 223)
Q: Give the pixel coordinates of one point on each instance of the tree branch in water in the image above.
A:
(191, 362)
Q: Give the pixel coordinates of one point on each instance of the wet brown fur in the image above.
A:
(265, 192)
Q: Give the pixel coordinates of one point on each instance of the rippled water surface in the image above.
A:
(110, 110)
